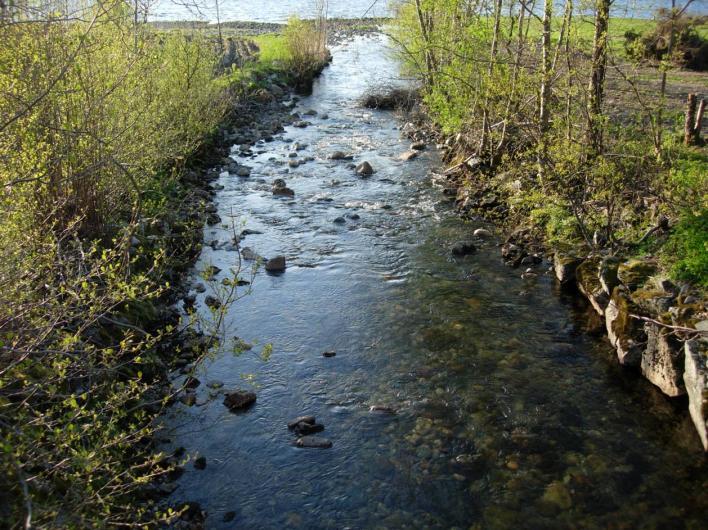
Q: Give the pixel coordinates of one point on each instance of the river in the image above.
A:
(510, 410)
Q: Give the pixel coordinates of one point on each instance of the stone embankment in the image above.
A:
(656, 326)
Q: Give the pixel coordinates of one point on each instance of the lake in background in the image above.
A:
(280, 10)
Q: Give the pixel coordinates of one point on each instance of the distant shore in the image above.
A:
(338, 28)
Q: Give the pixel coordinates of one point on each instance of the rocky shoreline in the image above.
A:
(657, 327)
(254, 120)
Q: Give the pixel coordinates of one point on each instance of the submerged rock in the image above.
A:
(239, 400)
(313, 442)
(418, 146)
(557, 495)
(463, 248)
(276, 264)
(695, 378)
(339, 220)
(384, 409)
(329, 354)
(482, 233)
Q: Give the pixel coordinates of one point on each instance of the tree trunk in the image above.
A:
(545, 94)
(597, 79)
(490, 71)
(689, 124)
(424, 22)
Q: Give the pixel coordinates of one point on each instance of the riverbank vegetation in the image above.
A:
(569, 125)
(105, 124)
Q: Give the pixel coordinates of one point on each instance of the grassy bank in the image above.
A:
(105, 132)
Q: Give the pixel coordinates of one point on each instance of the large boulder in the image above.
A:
(695, 378)
(626, 334)
(663, 360)
(588, 279)
(565, 266)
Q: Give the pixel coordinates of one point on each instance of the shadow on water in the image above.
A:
(509, 409)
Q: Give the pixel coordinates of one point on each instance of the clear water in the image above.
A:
(503, 394)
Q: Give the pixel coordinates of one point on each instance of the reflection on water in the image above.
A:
(508, 413)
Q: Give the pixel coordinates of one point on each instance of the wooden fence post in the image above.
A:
(688, 128)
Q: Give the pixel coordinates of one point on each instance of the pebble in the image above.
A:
(313, 442)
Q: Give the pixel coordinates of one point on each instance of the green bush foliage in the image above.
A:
(96, 119)
(586, 172)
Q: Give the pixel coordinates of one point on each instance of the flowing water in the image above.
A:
(510, 412)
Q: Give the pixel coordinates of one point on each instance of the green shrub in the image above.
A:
(94, 118)
(686, 252)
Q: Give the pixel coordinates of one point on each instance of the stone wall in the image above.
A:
(653, 324)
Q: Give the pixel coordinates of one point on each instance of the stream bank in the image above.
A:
(658, 327)
(454, 392)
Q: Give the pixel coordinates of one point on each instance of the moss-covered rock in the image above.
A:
(653, 301)
(626, 334)
(635, 272)
(587, 277)
(695, 378)
(663, 360)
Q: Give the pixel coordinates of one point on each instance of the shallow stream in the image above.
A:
(510, 411)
